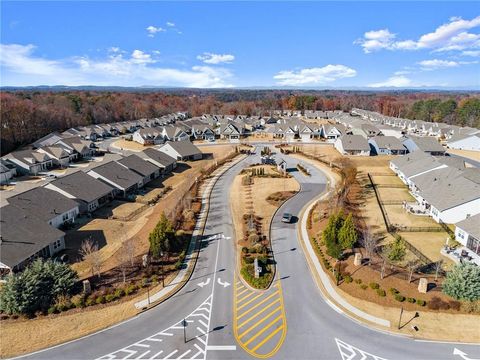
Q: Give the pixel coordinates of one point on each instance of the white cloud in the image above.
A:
(402, 72)
(452, 36)
(152, 30)
(394, 81)
(21, 68)
(210, 58)
(317, 75)
(140, 57)
(474, 53)
(435, 64)
(171, 24)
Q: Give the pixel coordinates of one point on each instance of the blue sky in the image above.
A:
(242, 44)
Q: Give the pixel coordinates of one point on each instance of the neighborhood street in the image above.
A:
(216, 316)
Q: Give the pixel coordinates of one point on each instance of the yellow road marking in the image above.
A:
(263, 330)
(241, 292)
(257, 305)
(247, 296)
(259, 322)
(267, 338)
(258, 313)
(249, 301)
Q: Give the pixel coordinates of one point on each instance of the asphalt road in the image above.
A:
(227, 320)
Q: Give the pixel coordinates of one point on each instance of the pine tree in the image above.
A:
(347, 235)
(463, 282)
(162, 236)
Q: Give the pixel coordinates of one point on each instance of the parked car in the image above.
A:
(287, 218)
(50, 176)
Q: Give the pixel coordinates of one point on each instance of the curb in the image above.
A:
(181, 283)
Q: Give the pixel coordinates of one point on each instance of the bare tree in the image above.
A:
(412, 266)
(438, 267)
(369, 241)
(126, 256)
(91, 256)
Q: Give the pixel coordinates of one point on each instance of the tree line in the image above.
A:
(27, 115)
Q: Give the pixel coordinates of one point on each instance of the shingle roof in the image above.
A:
(184, 148)
(159, 157)
(118, 174)
(427, 144)
(82, 186)
(139, 165)
(388, 142)
(23, 235)
(354, 142)
(43, 203)
(471, 226)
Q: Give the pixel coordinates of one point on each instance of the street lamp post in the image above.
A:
(162, 269)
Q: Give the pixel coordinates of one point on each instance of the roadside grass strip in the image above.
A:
(169, 343)
(259, 322)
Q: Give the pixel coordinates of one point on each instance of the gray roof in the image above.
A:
(43, 203)
(471, 226)
(388, 142)
(427, 144)
(451, 192)
(184, 148)
(118, 174)
(23, 235)
(401, 161)
(419, 166)
(139, 165)
(354, 142)
(159, 157)
(82, 186)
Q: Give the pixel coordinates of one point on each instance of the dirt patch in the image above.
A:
(129, 145)
(471, 154)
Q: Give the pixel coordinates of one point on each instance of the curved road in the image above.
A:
(226, 320)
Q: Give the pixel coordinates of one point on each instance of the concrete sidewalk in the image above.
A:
(190, 257)
(332, 297)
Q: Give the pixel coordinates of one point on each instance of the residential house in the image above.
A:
(25, 237)
(231, 131)
(332, 132)
(30, 162)
(174, 133)
(352, 145)
(7, 171)
(60, 157)
(465, 142)
(124, 180)
(88, 192)
(387, 145)
(306, 133)
(181, 150)
(148, 136)
(146, 169)
(50, 206)
(467, 233)
(428, 145)
(165, 162)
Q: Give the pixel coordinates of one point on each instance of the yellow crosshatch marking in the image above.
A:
(262, 332)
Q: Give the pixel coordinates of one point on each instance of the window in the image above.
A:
(65, 217)
(57, 244)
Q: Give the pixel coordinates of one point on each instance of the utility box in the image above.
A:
(87, 288)
(423, 285)
(257, 268)
(357, 261)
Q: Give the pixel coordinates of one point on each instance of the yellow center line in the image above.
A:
(260, 321)
(258, 313)
(257, 305)
(247, 296)
(268, 338)
(265, 329)
(251, 300)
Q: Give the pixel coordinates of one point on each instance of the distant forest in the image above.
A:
(27, 115)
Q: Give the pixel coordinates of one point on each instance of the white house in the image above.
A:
(148, 136)
(467, 233)
(387, 145)
(352, 145)
(30, 161)
(181, 150)
(465, 142)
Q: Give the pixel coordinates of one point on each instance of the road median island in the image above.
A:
(379, 304)
(257, 192)
(28, 335)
